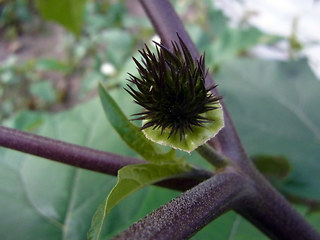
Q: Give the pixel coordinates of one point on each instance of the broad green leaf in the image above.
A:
(68, 13)
(230, 226)
(234, 227)
(313, 217)
(131, 134)
(130, 179)
(275, 107)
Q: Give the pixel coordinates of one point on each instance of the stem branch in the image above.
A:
(212, 156)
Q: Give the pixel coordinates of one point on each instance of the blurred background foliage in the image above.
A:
(51, 61)
(104, 37)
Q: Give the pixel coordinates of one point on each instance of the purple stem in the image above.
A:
(63, 152)
(87, 158)
(273, 214)
(184, 216)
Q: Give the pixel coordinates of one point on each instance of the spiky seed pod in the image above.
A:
(178, 109)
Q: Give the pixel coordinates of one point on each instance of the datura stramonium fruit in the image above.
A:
(178, 110)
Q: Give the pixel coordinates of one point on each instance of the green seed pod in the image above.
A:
(179, 111)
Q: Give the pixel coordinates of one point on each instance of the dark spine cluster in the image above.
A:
(171, 89)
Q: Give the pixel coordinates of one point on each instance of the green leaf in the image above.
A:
(43, 90)
(230, 226)
(51, 64)
(131, 134)
(272, 166)
(130, 179)
(68, 13)
(121, 44)
(275, 107)
(232, 42)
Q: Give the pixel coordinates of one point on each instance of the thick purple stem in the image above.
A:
(63, 152)
(184, 216)
(84, 157)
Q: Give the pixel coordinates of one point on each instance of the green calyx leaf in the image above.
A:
(193, 137)
(130, 179)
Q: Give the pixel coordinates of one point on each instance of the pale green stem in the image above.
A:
(213, 156)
